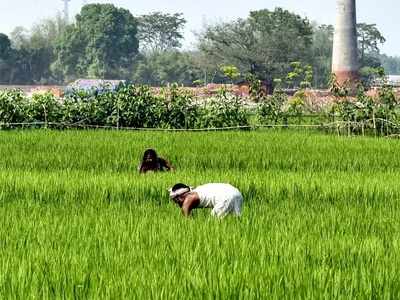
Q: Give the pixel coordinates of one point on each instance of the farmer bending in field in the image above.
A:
(152, 163)
(221, 197)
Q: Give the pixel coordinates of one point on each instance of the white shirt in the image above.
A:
(217, 194)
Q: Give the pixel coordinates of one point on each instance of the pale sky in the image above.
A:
(384, 13)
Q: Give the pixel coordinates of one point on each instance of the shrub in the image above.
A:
(225, 110)
(87, 108)
(137, 106)
(270, 110)
(180, 109)
(296, 105)
(13, 106)
(44, 108)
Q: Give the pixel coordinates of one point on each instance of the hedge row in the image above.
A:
(128, 106)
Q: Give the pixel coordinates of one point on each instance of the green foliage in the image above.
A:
(84, 107)
(322, 54)
(365, 106)
(13, 106)
(223, 111)
(257, 94)
(369, 75)
(380, 115)
(128, 106)
(270, 110)
(177, 108)
(159, 32)
(166, 67)
(44, 108)
(369, 37)
(299, 76)
(101, 43)
(198, 82)
(33, 52)
(138, 107)
(297, 103)
(387, 108)
(180, 109)
(104, 41)
(391, 64)
(231, 72)
(5, 46)
(5, 58)
(337, 90)
(263, 44)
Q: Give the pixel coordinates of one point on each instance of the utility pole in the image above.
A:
(345, 63)
(66, 10)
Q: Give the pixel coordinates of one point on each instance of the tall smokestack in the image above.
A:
(345, 53)
(66, 10)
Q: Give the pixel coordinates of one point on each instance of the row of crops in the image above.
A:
(320, 219)
(176, 108)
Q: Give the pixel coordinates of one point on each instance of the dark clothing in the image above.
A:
(159, 164)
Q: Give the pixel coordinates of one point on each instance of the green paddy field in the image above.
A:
(321, 217)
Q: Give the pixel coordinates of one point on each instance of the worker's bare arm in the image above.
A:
(166, 164)
(191, 202)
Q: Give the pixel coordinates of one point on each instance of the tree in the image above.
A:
(162, 68)
(369, 37)
(19, 38)
(322, 54)
(42, 43)
(230, 72)
(263, 44)
(34, 51)
(5, 46)
(160, 32)
(391, 64)
(101, 44)
(5, 58)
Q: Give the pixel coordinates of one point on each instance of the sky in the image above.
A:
(384, 13)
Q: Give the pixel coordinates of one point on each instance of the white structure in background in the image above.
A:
(66, 10)
(345, 54)
(393, 80)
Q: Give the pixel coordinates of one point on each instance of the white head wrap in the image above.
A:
(179, 192)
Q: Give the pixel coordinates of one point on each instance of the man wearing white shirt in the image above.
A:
(223, 198)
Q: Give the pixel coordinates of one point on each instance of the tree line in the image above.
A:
(108, 42)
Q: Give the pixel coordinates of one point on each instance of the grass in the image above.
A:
(321, 217)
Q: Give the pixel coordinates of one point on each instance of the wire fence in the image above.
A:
(374, 127)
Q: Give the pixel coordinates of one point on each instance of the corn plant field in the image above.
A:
(321, 217)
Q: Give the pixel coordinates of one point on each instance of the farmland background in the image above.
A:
(321, 216)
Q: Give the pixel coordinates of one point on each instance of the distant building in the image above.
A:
(393, 80)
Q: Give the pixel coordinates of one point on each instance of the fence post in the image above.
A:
(117, 114)
(374, 121)
(285, 121)
(387, 126)
(45, 116)
(362, 128)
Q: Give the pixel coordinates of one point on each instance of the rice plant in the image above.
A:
(321, 217)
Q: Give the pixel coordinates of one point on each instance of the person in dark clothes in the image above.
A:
(152, 163)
